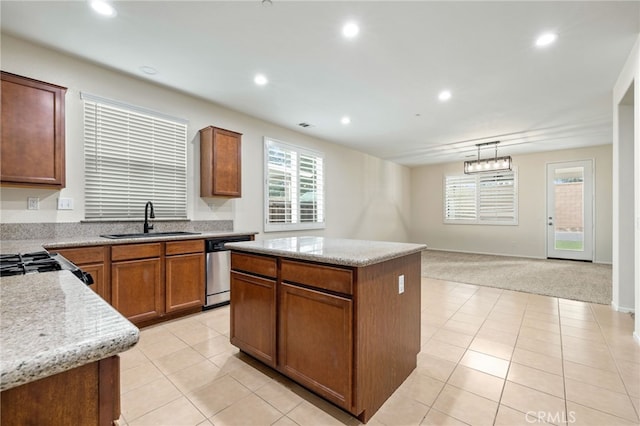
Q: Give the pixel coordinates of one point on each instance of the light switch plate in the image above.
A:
(65, 203)
(401, 284)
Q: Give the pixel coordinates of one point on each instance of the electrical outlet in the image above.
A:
(33, 203)
(401, 284)
(65, 203)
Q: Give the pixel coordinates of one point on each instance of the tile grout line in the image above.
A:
(504, 384)
(564, 378)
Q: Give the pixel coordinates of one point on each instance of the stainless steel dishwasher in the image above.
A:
(218, 264)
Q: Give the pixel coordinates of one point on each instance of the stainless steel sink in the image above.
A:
(149, 235)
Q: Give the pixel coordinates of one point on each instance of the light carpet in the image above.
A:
(587, 282)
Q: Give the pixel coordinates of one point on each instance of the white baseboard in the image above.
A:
(622, 309)
(505, 255)
(488, 253)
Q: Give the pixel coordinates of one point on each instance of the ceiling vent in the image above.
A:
(303, 124)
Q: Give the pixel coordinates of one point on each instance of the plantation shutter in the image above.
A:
(497, 198)
(487, 198)
(460, 198)
(311, 188)
(133, 156)
(282, 184)
(294, 187)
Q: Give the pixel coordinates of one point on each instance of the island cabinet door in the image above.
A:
(316, 342)
(253, 316)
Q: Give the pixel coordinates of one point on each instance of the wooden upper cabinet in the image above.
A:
(220, 163)
(33, 133)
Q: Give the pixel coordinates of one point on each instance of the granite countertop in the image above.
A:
(52, 322)
(334, 251)
(31, 245)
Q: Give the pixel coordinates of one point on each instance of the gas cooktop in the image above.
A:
(39, 262)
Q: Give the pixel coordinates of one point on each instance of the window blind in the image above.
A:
(488, 198)
(294, 187)
(131, 157)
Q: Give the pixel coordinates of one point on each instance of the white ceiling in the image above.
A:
(386, 79)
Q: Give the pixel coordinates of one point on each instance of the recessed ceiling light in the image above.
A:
(148, 70)
(260, 80)
(103, 8)
(445, 95)
(546, 39)
(350, 30)
(345, 120)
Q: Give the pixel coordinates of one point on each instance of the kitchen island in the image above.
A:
(58, 352)
(340, 317)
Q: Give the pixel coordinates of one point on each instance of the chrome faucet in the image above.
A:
(147, 226)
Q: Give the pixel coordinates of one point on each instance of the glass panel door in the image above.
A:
(570, 210)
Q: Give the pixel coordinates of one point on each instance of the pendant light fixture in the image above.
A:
(494, 164)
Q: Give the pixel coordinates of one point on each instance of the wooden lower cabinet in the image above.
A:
(97, 272)
(92, 260)
(346, 333)
(184, 276)
(316, 342)
(87, 395)
(146, 282)
(137, 289)
(253, 316)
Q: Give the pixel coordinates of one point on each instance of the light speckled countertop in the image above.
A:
(51, 323)
(101, 241)
(334, 251)
(27, 246)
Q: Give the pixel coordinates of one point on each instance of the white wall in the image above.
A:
(528, 238)
(367, 198)
(626, 213)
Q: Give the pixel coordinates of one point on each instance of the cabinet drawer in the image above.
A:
(184, 247)
(135, 251)
(82, 255)
(260, 265)
(324, 277)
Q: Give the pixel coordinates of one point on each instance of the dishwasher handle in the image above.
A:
(213, 245)
(217, 244)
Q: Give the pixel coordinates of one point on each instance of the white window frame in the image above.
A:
(295, 222)
(481, 207)
(133, 155)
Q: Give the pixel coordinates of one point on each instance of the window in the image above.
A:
(133, 156)
(488, 198)
(294, 187)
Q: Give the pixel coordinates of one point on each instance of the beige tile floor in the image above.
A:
(489, 357)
